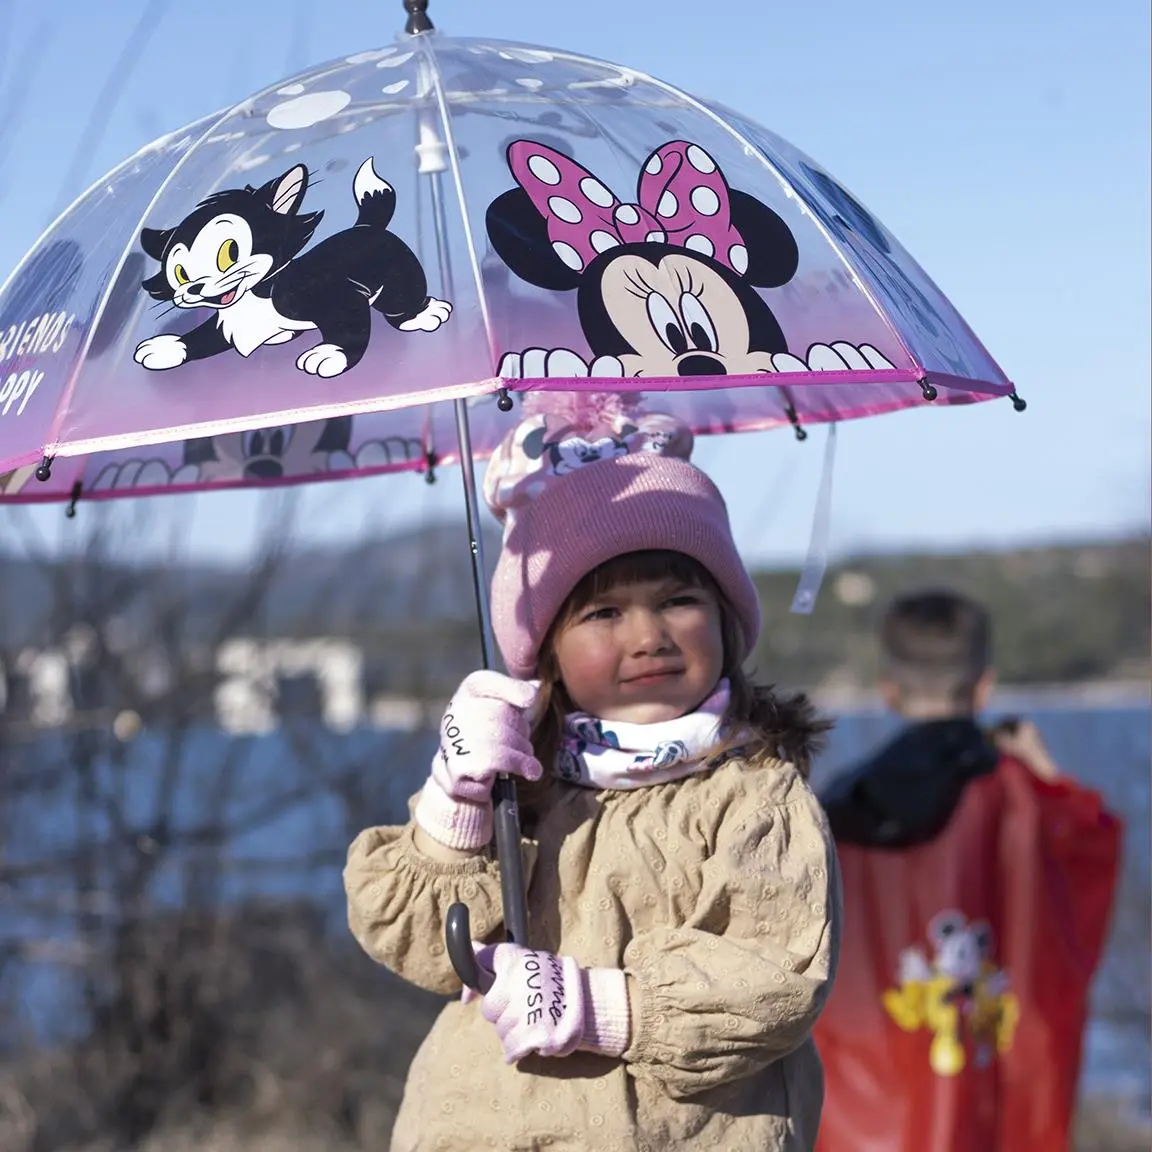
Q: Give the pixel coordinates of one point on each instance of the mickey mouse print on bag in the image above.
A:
(667, 287)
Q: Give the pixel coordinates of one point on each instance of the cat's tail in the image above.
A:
(375, 197)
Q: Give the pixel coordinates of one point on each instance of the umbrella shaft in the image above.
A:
(512, 885)
(472, 508)
(464, 443)
(507, 813)
(507, 821)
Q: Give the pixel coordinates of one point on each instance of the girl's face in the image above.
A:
(642, 652)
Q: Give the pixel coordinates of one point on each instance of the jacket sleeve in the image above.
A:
(398, 899)
(742, 983)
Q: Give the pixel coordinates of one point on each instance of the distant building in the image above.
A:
(249, 685)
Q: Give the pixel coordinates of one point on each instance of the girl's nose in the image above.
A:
(646, 633)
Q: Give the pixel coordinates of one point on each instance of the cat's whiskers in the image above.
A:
(230, 282)
(250, 267)
(249, 271)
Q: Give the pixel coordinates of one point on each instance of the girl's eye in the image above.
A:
(599, 614)
(685, 598)
(662, 316)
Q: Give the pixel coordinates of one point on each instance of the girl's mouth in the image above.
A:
(652, 677)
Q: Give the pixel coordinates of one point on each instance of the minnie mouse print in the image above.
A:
(665, 287)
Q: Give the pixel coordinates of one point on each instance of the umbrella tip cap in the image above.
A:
(417, 17)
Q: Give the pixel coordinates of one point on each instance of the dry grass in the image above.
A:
(262, 1036)
(1103, 1125)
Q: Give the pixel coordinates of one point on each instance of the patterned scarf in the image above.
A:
(613, 754)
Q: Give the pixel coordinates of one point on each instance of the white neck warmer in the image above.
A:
(614, 754)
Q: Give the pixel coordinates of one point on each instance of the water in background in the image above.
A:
(290, 841)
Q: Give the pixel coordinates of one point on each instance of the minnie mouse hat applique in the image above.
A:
(572, 496)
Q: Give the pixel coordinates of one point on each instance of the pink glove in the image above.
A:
(548, 1004)
(485, 730)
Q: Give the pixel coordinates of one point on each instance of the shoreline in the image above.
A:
(403, 713)
(410, 713)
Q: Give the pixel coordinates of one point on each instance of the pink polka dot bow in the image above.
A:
(682, 201)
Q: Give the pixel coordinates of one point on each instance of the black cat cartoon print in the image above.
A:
(666, 286)
(240, 253)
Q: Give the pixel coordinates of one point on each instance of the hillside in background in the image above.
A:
(1063, 615)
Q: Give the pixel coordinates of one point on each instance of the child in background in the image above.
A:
(683, 890)
(978, 884)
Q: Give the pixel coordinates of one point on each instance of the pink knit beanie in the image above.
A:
(572, 497)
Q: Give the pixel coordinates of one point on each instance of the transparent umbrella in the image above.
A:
(292, 289)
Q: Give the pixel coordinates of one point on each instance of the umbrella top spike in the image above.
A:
(417, 17)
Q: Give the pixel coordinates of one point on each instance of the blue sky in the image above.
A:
(1006, 145)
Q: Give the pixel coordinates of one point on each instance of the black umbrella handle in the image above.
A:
(458, 936)
(513, 893)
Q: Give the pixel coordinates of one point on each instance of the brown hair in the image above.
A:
(782, 726)
(936, 644)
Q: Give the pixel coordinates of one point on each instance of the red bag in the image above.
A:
(956, 1018)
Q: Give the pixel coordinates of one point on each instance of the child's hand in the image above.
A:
(535, 1000)
(547, 1004)
(1021, 740)
(486, 729)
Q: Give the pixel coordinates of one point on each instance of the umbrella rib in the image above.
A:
(101, 181)
(752, 149)
(70, 388)
(425, 48)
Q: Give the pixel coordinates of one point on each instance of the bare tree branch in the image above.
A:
(20, 88)
(111, 92)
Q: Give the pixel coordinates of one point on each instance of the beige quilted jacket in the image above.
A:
(718, 894)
